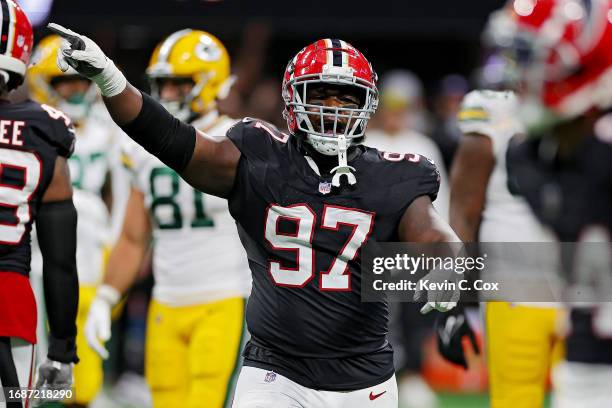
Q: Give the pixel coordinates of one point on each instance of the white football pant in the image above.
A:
(257, 388)
(581, 385)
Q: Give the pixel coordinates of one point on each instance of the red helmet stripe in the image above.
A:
(6, 22)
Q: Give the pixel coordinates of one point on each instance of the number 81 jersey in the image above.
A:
(197, 256)
(303, 241)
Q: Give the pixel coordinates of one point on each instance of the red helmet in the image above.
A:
(328, 61)
(563, 53)
(16, 41)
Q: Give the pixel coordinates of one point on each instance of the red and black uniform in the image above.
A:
(572, 195)
(31, 138)
(303, 240)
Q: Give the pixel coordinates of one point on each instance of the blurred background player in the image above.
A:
(520, 338)
(564, 168)
(35, 142)
(95, 154)
(196, 318)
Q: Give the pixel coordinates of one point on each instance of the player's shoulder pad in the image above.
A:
(481, 110)
(400, 167)
(255, 138)
(55, 127)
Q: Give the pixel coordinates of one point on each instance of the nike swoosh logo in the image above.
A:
(374, 396)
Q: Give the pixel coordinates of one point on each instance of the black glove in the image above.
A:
(450, 329)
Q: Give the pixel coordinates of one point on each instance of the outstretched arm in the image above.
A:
(422, 224)
(207, 163)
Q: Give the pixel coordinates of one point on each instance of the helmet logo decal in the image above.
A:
(207, 50)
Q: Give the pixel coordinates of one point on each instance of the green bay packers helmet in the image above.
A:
(197, 56)
(44, 72)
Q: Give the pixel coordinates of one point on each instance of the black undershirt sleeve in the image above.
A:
(162, 135)
(56, 225)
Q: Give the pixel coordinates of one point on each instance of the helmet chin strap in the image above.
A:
(342, 169)
(340, 148)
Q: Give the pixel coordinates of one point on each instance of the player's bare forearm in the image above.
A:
(129, 251)
(206, 162)
(125, 106)
(470, 175)
(212, 168)
(421, 223)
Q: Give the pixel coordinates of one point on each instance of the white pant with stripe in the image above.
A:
(259, 388)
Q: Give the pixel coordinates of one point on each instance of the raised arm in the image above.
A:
(207, 162)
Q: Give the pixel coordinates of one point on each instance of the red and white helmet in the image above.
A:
(335, 62)
(16, 40)
(563, 51)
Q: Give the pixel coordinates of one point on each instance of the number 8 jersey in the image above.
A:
(32, 136)
(197, 256)
(303, 240)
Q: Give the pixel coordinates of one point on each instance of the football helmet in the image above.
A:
(44, 72)
(16, 42)
(331, 62)
(197, 56)
(562, 53)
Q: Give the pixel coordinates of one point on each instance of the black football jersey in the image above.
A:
(302, 238)
(571, 195)
(32, 136)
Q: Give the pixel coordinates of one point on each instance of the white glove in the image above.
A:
(98, 324)
(53, 376)
(441, 299)
(84, 55)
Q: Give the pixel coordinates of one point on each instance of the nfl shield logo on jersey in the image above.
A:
(270, 377)
(325, 187)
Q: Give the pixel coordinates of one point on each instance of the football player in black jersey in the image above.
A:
(564, 167)
(304, 204)
(35, 141)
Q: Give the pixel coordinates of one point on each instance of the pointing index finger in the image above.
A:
(76, 43)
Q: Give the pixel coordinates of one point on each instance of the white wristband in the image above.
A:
(108, 294)
(110, 81)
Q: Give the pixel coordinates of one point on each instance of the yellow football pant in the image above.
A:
(192, 353)
(88, 374)
(522, 343)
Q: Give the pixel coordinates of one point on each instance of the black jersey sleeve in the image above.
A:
(56, 128)
(429, 179)
(255, 139)
(64, 139)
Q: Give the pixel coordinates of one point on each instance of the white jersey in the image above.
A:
(197, 255)
(94, 150)
(506, 217)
